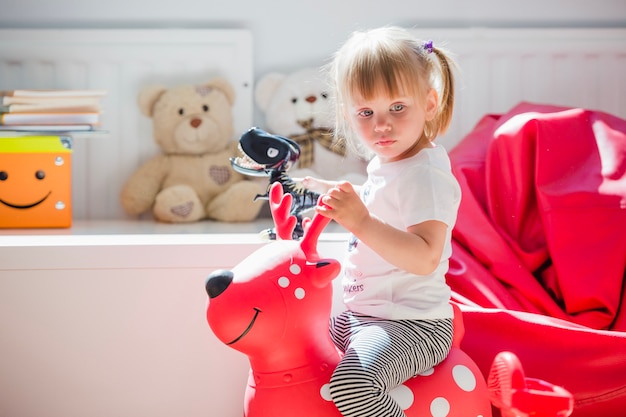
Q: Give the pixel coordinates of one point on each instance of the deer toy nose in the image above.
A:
(218, 281)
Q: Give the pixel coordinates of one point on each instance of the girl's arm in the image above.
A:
(321, 186)
(317, 185)
(417, 249)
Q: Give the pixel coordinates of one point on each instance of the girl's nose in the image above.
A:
(382, 125)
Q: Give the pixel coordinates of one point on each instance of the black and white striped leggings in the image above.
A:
(379, 355)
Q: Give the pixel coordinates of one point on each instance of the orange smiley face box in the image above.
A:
(35, 182)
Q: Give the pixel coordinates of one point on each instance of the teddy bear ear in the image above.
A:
(148, 96)
(266, 87)
(225, 86)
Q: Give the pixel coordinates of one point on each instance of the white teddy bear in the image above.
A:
(296, 106)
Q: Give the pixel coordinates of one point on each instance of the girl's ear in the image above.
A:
(432, 104)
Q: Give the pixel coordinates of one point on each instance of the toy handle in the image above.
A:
(323, 222)
(318, 222)
(312, 230)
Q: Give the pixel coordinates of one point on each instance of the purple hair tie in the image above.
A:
(428, 46)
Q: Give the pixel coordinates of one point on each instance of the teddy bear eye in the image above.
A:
(294, 100)
(205, 107)
(181, 111)
(324, 95)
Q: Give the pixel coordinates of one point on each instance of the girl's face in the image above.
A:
(391, 127)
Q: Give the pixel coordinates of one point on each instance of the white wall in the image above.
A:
(289, 34)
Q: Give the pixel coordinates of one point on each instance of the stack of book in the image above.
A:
(50, 110)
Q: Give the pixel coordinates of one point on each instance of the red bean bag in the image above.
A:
(539, 257)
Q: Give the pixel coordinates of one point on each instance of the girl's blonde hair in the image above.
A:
(390, 58)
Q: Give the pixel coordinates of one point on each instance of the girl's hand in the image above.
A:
(343, 204)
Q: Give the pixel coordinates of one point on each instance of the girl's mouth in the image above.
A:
(385, 142)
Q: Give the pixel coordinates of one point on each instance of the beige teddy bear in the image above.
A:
(192, 178)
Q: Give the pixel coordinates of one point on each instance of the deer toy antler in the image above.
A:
(280, 206)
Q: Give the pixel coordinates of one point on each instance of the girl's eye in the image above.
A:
(397, 107)
(365, 113)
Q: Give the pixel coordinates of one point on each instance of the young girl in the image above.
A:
(398, 321)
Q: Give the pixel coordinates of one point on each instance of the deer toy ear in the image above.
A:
(325, 271)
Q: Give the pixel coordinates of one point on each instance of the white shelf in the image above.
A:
(143, 227)
(118, 244)
(209, 229)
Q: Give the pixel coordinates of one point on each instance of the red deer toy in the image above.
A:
(275, 308)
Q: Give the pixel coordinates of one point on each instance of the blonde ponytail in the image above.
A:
(446, 101)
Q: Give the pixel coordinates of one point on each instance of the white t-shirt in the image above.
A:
(402, 194)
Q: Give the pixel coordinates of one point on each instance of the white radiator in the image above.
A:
(498, 69)
(502, 67)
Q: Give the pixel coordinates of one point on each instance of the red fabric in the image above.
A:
(540, 248)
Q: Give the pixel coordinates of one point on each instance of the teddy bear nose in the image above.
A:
(218, 281)
(195, 122)
(311, 99)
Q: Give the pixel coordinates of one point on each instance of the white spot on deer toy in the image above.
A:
(275, 308)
